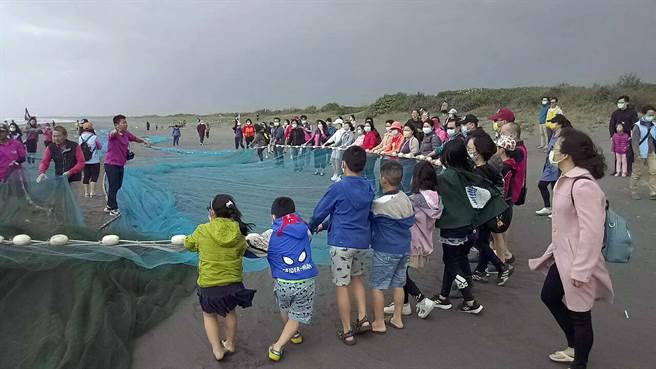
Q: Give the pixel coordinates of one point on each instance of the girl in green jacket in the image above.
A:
(221, 244)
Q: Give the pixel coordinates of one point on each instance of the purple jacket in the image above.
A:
(620, 143)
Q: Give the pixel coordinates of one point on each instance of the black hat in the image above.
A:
(469, 118)
(559, 119)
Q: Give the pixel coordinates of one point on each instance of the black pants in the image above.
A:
(115, 178)
(486, 254)
(239, 142)
(201, 137)
(249, 141)
(280, 155)
(543, 186)
(456, 268)
(260, 153)
(576, 325)
(410, 288)
(176, 140)
(91, 173)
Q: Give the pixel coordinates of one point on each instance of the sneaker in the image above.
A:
(444, 304)
(625, 174)
(406, 310)
(333, 178)
(550, 216)
(480, 276)
(505, 274)
(475, 308)
(635, 196)
(316, 172)
(564, 356)
(424, 307)
(107, 209)
(616, 174)
(115, 212)
(543, 211)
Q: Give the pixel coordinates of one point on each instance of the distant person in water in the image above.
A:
(176, 135)
(201, 128)
(147, 126)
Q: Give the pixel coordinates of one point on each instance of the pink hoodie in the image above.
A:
(428, 208)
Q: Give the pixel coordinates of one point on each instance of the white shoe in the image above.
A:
(407, 309)
(333, 178)
(424, 307)
(565, 356)
(550, 216)
(543, 211)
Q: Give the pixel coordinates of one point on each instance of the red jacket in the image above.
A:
(371, 140)
(249, 130)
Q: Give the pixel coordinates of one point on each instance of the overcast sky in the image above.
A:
(138, 57)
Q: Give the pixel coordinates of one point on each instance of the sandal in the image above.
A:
(388, 320)
(346, 337)
(297, 338)
(562, 356)
(274, 355)
(362, 326)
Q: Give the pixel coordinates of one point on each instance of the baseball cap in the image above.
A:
(397, 126)
(503, 114)
(469, 118)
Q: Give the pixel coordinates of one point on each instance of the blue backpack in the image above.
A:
(618, 245)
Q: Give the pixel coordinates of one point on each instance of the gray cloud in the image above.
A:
(72, 57)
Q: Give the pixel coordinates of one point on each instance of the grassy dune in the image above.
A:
(587, 107)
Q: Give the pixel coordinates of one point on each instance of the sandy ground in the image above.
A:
(514, 331)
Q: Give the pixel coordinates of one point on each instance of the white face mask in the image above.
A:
(367, 129)
(427, 130)
(294, 125)
(648, 118)
(621, 105)
(451, 132)
(552, 160)
(276, 124)
(472, 155)
(545, 102)
(394, 133)
(464, 129)
(387, 129)
(359, 131)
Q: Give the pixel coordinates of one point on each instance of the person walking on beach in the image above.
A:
(221, 245)
(542, 121)
(576, 274)
(32, 133)
(550, 172)
(67, 156)
(118, 153)
(147, 126)
(201, 128)
(176, 135)
(643, 141)
(91, 146)
(277, 141)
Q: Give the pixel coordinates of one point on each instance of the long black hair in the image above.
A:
(424, 177)
(455, 155)
(224, 206)
(583, 151)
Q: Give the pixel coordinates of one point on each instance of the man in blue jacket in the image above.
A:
(393, 216)
(347, 203)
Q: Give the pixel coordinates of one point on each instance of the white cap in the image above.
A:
(338, 121)
(453, 111)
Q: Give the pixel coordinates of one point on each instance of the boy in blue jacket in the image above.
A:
(293, 270)
(392, 218)
(348, 204)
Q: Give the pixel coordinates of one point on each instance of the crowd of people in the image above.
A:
(441, 176)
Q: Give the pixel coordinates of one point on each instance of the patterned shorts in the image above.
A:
(347, 262)
(295, 298)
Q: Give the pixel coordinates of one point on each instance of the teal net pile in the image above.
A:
(81, 305)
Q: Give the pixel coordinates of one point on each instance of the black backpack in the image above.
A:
(86, 150)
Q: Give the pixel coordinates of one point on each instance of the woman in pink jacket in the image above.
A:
(573, 261)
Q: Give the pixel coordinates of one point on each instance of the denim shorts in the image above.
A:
(296, 298)
(388, 270)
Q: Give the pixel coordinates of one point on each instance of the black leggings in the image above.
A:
(543, 186)
(115, 179)
(249, 142)
(260, 153)
(486, 254)
(410, 287)
(91, 172)
(576, 325)
(239, 142)
(456, 268)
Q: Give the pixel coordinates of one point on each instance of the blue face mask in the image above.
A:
(451, 132)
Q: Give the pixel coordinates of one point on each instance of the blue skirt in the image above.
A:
(224, 299)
